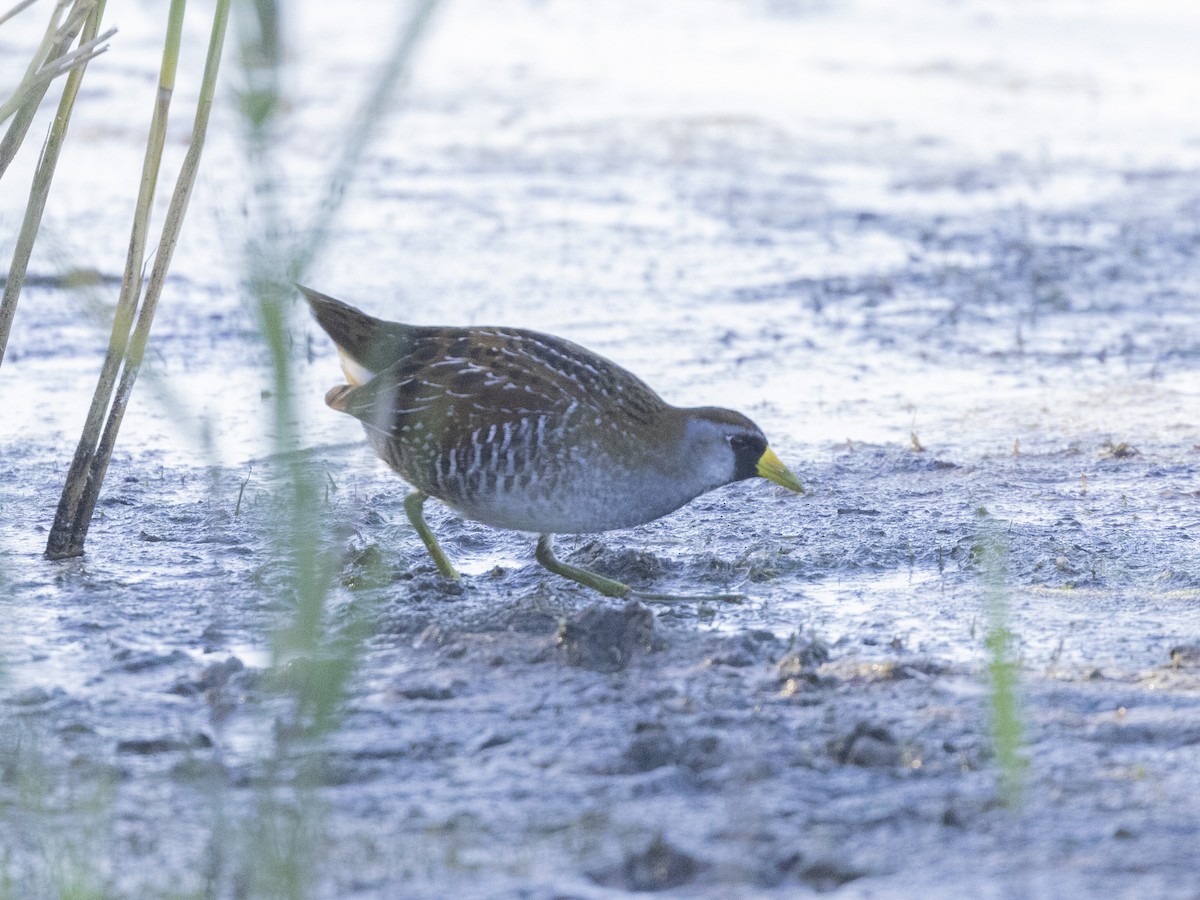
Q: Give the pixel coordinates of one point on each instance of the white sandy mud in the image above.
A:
(947, 255)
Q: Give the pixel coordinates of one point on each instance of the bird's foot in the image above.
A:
(652, 597)
(611, 588)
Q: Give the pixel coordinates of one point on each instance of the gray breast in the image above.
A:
(522, 479)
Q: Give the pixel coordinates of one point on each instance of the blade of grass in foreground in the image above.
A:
(273, 263)
(312, 662)
(1002, 668)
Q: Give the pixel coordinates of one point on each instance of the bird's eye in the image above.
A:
(747, 446)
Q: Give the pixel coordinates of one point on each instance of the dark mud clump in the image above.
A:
(660, 867)
(604, 639)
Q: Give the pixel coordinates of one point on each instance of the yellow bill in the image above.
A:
(771, 468)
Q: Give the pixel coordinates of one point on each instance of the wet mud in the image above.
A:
(961, 300)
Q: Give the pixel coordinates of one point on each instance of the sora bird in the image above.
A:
(527, 431)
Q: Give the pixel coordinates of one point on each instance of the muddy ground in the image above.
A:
(947, 257)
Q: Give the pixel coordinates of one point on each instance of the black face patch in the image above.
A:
(748, 449)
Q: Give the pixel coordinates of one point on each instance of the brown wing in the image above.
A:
(484, 390)
(497, 372)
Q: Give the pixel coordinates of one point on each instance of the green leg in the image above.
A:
(606, 586)
(611, 588)
(412, 506)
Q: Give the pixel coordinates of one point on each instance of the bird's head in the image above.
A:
(724, 446)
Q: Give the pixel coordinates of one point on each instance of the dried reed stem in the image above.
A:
(49, 61)
(39, 191)
(88, 469)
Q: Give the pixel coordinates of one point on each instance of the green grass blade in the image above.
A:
(1003, 669)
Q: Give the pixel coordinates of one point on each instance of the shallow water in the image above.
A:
(945, 255)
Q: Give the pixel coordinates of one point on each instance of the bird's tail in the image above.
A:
(365, 344)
